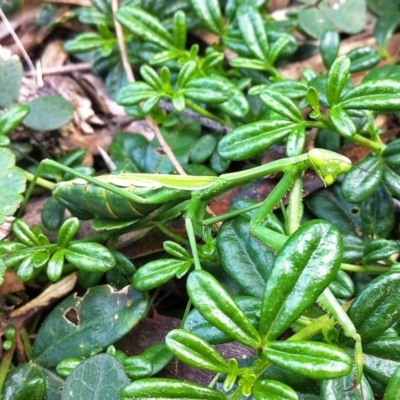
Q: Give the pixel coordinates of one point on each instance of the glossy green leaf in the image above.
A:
(253, 32)
(159, 356)
(337, 78)
(203, 149)
(53, 214)
(56, 265)
(375, 308)
(145, 25)
(248, 63)
(312, 359)
(278, 47)
(90, 257)
(218, 308)
(379, 95)
(391, 154)
(209, 13)
(66, 366)
(377, 213)
(392, 180)
(89, 41)
(339, 389)
(151, 77)
(342, 122)
(134, 93)
(207, 90)
(12, 118)
(186, 73)
(329, 47)
(180, 30)
(163, 389)
(138, 367)
(198, 325)
(157, 272)
(10, 78)
(244, 259)
(75, 328)
(296, 141)
(380, 249)
(392, 389)
(251, 139)
(308, 262)
(342, 287)
(176, 250)
(195, 351)
(48, 113)
(273, 390)
(237, 105)
(282, 105)
(380, 368)
(178, 101)
(24, 233)
(361, 182)
(363, 58)
(99, 377)
(67, 231)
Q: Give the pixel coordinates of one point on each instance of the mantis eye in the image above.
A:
(328, 164)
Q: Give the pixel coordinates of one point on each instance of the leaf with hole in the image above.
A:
(81, 326)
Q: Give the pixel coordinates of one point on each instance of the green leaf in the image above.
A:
(48, 113)
(53, 214)
(248, 63)
(376, 95)
(312, 359)
(203, 149)
(67, 231)
(342, 122)
(377, 213)
(56, 265)
(253, 32)
(217, 307)
(207, 90)
(329, 47)
(386, 25)
(363, 58)
(198, 325)
(186, 73)
(375, 308)
(251, 139)
(337, 78)
(163, 389)
(339, 389)
(24, 382)
(342, 287)
(151, 77)
(12, 184)
(90, 257)
(392, 389)
(24, 233)
(134, 93)
(273, 390)
(209, 12)
(282, 105)
(157, 272)
(11, 72)
(82, 326)
(362, 180)
(379, 249)
(180, 30)
(143, 24)
(89, 41)
(313, 22)
(12, 118)
(97, 378)
(307, 263)
(392, 180)
(244, 259)
(195, 351)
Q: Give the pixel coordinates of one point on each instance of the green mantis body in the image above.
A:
(132, 196)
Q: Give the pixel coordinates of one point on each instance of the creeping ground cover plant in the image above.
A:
(303, 284)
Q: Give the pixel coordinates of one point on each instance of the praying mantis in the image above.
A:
(133, 197)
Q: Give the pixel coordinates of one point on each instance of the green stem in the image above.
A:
(40, 181)
(295, 207)
(367, 269)
(378, 147)
(205, 113)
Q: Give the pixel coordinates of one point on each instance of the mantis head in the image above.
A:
(328, 164)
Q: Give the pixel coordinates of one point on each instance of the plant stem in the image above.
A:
(206, 113)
